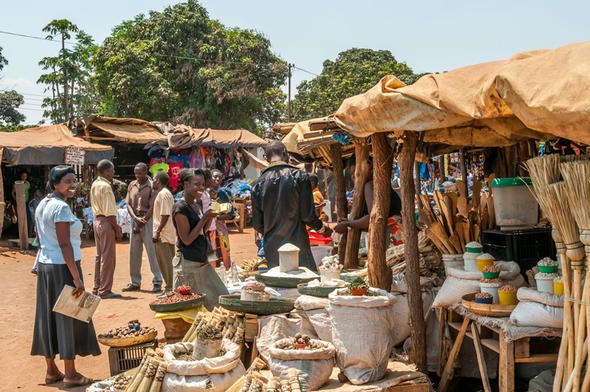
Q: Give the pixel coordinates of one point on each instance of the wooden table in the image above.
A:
(541, 348)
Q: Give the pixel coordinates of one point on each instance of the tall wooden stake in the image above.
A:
(379, 273)
(21, 212)
(361, 174)
(2, 202)
(340, 194)
(417, 324)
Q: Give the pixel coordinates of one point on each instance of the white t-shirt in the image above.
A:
(163, 206)
(50, 211)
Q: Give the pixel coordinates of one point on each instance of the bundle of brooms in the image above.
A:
(565, 203)
(459, 221)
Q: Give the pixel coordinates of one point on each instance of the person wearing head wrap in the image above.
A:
(59, 265)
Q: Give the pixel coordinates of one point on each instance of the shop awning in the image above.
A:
(128, 130)
(46, 146)
(538, 94)
(183, 136)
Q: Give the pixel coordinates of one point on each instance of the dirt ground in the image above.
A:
(21, 371)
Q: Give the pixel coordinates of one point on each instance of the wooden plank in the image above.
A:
(506, 365)
(481, 361)
(522, 348)
(449, 370)
(538, 358)
(21, 212)
(492, 344)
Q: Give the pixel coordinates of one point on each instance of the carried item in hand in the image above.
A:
(81, 308)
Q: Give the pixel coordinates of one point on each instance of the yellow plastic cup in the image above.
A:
(507, 297)
(558, 287)
(482, 263)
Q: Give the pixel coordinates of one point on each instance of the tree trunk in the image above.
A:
(361, 174)
(21, 213)
(464, 167)
(417, 324)
(379, 273)
(340, 194)
(2, 202)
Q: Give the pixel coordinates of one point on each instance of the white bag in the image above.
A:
(362, 334)
(401, 312)
(532, 295)
(315, 366)
(205, 366)
(460, 282)
(533, 314)
(218, 382)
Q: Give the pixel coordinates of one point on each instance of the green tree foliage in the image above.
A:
(180, 65)
(353, 72)
(9, 102)
(69, 73)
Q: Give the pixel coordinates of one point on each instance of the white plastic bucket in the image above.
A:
(491, 288)
(471, 265)
(545, 285)
(288, 258)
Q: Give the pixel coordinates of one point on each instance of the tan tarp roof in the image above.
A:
(57, 135)
(296, 134)
(532, 95)
(183, 136)
(131, 130)
(45, 146)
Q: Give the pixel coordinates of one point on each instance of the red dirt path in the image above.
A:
(21, 372)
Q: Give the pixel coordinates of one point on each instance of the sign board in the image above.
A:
(74, 156)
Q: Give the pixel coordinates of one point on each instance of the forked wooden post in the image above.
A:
(362, 175)
(379, 273)
(418, 326)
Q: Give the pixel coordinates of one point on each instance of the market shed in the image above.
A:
(534, 95)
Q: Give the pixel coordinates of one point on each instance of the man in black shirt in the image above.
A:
(282, 205)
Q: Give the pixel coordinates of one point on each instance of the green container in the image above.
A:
(491, 275)
(548, 269)
(274, 306)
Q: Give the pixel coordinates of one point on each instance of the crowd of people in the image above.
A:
(184, 240)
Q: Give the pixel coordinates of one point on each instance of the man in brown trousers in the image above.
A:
(106, 230)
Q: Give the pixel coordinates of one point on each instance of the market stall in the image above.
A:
(491, 104)
(37, 149)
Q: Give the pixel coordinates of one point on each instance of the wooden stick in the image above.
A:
(450, 365)
(569, 384)
(481, 361)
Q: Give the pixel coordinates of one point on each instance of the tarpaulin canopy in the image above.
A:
(537, 94)
(129, 130)
(183, 136)
(46, 146)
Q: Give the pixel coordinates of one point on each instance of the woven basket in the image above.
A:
(275, 281)
(177, 306)
(316, 291)
(490, 310)
(274, 306)
(128, 341)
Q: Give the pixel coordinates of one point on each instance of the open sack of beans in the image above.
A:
(211, 374)
(362, 333)
(313, 358)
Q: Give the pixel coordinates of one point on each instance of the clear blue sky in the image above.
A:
(429, 36)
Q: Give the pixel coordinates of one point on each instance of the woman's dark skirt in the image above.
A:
(55, 333)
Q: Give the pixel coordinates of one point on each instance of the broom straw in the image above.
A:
(544, 171)
(576, 175)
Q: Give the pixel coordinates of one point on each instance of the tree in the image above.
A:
(9, 102)
(69, 79)
(179, 65)
(353, 72)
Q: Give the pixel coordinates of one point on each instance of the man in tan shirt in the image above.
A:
(140, 204)
(164, 233)
(106, 230)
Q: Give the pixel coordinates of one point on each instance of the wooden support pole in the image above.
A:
(463, 166)
(361, 174)
(340, 195)
(417, 324)
(379, 274)
(21, 212)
